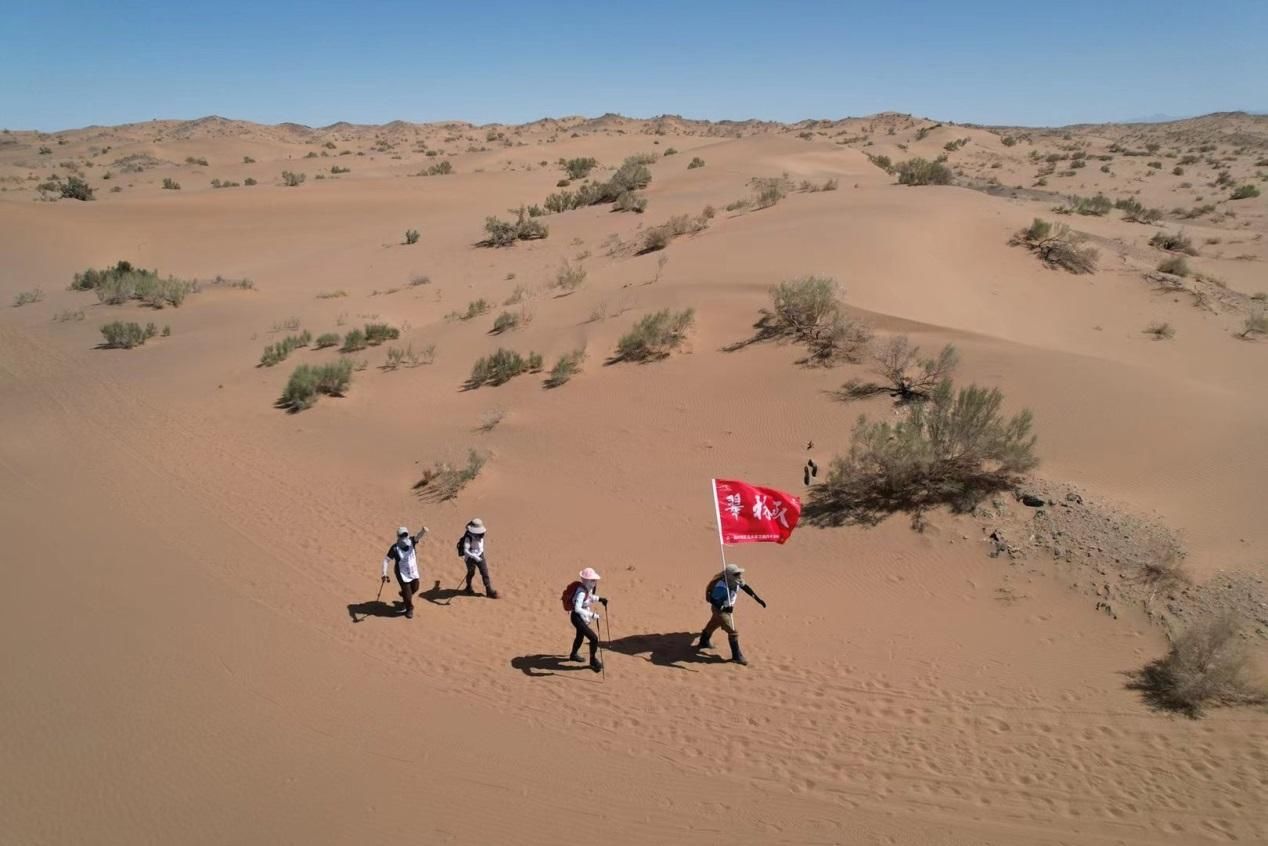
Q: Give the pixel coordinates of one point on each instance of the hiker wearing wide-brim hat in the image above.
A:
(471, 549)
(585, 594)
(721, 594)
(402, 557)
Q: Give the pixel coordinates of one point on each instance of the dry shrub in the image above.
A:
(920, 171)
(655, 336)
(568, 365)
(1173, 242)
(1058, 246)
(443, 482)
(1208, 665)
(908, 376)
(659, 237)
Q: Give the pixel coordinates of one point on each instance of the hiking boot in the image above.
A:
(596, 664)
(704, 642)
(491, 594)
(736, 655)
(574, 657)
(467, 591)
(409, 613)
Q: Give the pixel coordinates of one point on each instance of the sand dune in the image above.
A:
(188, 566)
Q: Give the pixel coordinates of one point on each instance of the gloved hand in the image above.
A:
(385, 580)
(761, 602)
(604, 600)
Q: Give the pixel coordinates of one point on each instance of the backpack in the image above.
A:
(716, 593)
(460, 541)
(568, 594)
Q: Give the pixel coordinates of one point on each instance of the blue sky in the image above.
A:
(70, 63)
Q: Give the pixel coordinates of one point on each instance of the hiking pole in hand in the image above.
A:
(604, 672)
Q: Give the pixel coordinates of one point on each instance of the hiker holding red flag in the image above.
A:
(722, 592)
(745, 514)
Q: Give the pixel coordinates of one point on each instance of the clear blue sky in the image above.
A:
(70, 63)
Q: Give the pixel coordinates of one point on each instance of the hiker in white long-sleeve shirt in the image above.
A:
(585, 594)
(402, 557)
(471, 548)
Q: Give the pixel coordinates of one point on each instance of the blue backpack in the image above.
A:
(716, 594)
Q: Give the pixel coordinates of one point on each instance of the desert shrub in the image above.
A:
(354, 341)
(1160, 331)
(952, 449)
(249, 181)
(277, 353)
(27, 297)
(1245, 192)
(72, 188)
(560, 202)
(738, 205)
(409, 357)
(123, 282)
(1057, 246)
(45, 151)
(517, 296)
(501, 367)
(659, 237)
(1008, 140)
(439, 168)
(632, 175)
(695, 162)
(291, 179)
(1207, 665)
(443, 482)
(883, 162)
(411, 236)
(920, 171)
(336, 170)
(171, 184)
(1135, 212)
(631, 202)
(568, 365)
(504, 234)
(308, 381)
(248, 160)
(1097, 206)
(326, 340)
(908, 376)
(810, 310)
(419, 279)
(475, 308)
(569, 277)
(1176, 266)
(377, 333)
(195, 161)
(579, 168)
(1256, 323)
(125, 336)
(67, 315)
(505, 322)
(768, 192)
(332, 295)
(671, 151)
(1176, 243)
(655, 336)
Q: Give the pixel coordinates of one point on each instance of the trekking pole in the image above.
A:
(380, 596)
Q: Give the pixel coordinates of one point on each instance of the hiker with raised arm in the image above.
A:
(471, 550)
(721, 594)
(578, 599)
(402, 557)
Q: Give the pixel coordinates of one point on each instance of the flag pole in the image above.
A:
(717, 516)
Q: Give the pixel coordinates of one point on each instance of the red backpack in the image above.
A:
(568, 594)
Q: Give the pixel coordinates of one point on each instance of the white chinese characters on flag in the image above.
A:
(751, 514)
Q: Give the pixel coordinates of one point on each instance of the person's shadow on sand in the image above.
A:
(546, 665)
(438, 595)
(673, 649)
(373, 608)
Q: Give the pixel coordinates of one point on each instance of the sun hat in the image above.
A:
(402, 532)
(589, 574)
(735, 569)
(476, 527)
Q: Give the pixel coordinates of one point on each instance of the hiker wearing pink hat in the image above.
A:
(577, 599)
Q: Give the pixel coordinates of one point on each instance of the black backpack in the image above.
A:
(461, 540)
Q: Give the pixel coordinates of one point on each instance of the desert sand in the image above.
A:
(191, 648)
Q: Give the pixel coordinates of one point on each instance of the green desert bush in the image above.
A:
(1173, 242)
(1097, 206)
(409, 357)
(655, 336)
(291, 179)
(505, 322)
(920, 171)
(475, 308)
(503, 234)
(411, 236)
(443, 482)
(810, 310)
(659, 237)
(309, 381)
(952, 449)
(1057, 246)
(171, 184)
(570, 277)
(695, 162)
(1207, 665)
(125, 336)
(248, 160)
(123, 282)
(500, 367)
(195, 161)
(354, 341)
(1160, 331)
(336, 170)
(438, 169)
(1245, 192)
(630, 201)
(1135, 212)
(1176, 266)
(883, 162)
(769, 191)
(249, 181)
(27, 297)
(277, 352)
(377, 333)
(568, 365)
(326, 340)
(579, 168)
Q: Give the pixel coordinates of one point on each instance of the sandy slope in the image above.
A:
(182, 556)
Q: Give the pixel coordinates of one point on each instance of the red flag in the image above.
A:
(749, 514)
